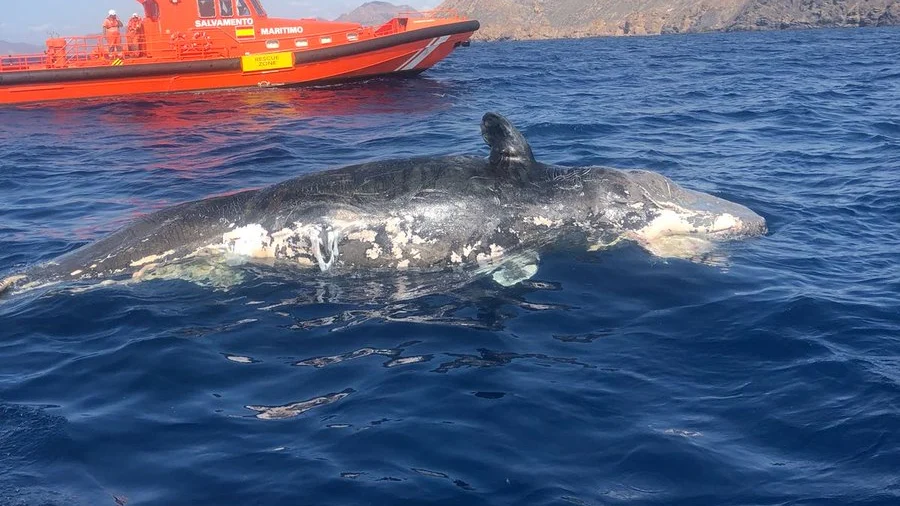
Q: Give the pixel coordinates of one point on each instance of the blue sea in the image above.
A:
(768, 377)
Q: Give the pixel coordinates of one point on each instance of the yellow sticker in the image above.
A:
(267, 61)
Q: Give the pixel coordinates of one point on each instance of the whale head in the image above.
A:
(680, 211)
(684, 223)
(642, 206)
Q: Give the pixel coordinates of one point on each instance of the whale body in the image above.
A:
(423, 214)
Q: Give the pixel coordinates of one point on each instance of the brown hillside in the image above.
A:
(536, 19)
(374, 13)
(7, 48)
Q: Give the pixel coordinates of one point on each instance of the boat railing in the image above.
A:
(431, 14)
(400, 23)
(16, 62)
(93, 50)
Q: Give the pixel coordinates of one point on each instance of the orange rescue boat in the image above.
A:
(191, 45)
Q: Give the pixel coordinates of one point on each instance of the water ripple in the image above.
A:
(612, 377)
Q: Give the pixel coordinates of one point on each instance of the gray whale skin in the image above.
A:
(454, 213)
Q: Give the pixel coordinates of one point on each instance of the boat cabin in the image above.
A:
(225, 22)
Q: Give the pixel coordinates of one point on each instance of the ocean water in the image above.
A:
(771, 377)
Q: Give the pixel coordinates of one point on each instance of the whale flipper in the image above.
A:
(517, 269)
(510, 152)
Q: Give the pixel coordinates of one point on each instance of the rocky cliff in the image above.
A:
(539, 19)
(374, 13)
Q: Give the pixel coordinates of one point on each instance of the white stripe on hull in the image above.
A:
(423, 53)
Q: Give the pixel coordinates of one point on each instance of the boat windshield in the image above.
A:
(226, 8)
(206, 8)
(258, 8)
(151, 10)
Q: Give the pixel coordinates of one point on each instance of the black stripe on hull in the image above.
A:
(379, 43)
(27, 77)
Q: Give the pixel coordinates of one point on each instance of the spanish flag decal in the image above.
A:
(245, 32)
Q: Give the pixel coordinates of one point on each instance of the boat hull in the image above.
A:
(405, 53)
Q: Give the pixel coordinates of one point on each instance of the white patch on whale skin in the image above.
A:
(725, 222)
(495, 253)
(670, 222)
(542, 221)
(468, 249)
(374, 252)
(401, 234)
(284, 233)
(143, 271)
(329, 243)
(392, 226)
(151, 259)
(10, 281)
(673, 235)
(399, 240)
(294, 409)
(363, 236)
(605, 245)
(250, 241)
(254, 241)
(685, 247)
(204, 271)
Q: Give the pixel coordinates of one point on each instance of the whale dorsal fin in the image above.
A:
(510, 151)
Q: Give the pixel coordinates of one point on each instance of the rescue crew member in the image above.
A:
(134, 35)
(111, 30)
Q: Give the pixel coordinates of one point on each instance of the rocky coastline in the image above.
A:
(553, 19)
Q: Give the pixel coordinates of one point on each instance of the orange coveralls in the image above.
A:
(134, 35)
(111, 27)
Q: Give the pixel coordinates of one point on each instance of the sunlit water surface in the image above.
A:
(611, 377)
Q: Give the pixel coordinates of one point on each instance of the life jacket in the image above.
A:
(112, 25)
(135, 25)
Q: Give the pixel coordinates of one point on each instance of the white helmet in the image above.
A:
(112, 12)
(135, 15)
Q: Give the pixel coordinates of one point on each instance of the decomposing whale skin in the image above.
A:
(428, 214)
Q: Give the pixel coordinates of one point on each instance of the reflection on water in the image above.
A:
(297, 408)
(393, 354)
(612, 377)
(253, 109)
(490, 358)
(451, 298)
